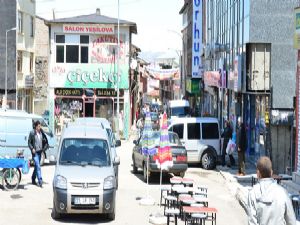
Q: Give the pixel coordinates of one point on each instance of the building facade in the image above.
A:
(250, 66)
(18, 18)
(83, 70)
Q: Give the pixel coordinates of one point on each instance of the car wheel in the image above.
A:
(134, 168)
(208, 160)
(55, 215)
(43, 157)
(145, 173)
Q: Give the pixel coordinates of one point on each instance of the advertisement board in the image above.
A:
(197, 67)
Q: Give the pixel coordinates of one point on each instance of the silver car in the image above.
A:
(84, 179)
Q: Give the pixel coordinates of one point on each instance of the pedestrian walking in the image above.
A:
(268, 202)
(37, 143)
(241, 143)
(227, 135)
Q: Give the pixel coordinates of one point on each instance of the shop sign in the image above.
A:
(108, 93)
(68, 92)
(89, 76)
(192, 86)
(212, 78)
(164, 74)
(88, 29)
(197, 67)
(282, 117)
(297, 28)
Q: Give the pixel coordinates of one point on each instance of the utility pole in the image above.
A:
(118, 72)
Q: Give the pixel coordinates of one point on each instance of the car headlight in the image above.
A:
(60, 182)
(109, 183)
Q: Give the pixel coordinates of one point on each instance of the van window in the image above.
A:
(210, 131)
(193, 131)
(83, 151)
(177, 128)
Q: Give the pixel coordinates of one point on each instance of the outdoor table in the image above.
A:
(185, 201)
(188, 182)
(189, 210)
(166, 189)
(172, 212)
(175, 180)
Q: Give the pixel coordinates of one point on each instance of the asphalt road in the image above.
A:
(32, 205)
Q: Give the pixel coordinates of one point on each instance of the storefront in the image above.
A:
(85, 71)
(194, 95)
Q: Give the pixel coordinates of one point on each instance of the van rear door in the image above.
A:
(211, 135)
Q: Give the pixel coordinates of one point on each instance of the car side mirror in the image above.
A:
(135, 142)
(117, 161)
(118, 143)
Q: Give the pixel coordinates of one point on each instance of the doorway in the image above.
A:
(89, 108)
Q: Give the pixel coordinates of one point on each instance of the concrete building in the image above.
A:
(249, 70)
(40, 90)
(18, 14)
(83, 70)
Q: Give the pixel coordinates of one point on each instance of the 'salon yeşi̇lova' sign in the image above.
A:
(89, 29)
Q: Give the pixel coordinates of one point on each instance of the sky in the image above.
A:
(158, 21)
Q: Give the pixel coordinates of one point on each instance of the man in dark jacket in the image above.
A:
(241, 143)
(227, 135)
(38, 143)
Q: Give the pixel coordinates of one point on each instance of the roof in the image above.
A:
(184, 7)
(74, 130)
(18, 113)
(192, 119)
(95, 19)
(93, 120)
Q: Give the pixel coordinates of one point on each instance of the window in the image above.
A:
(31, 63)
(178, 128)
(20, 22)
(72, 53)
(19, 61)
(72, 48)
(31, 26)
(210, 131)
(193, 131)
(60, 52)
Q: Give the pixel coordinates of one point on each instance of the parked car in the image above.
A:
(139, 160)
(112, 141)
(201, 138)
(84, 178)
(15, 126)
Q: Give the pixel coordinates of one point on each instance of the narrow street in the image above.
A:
(33, 205)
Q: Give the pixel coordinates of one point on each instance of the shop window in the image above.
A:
(60, 39)
(84, 54)
(31, 26)
(72, 52)
(31, 62)
(193, 131)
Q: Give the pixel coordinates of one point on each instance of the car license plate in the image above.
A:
(84, 201)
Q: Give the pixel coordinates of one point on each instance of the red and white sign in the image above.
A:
(88, 29)
(212, 78)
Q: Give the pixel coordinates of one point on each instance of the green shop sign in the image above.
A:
(89, 76)
(192, 86)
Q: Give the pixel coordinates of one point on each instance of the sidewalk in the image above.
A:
(239, 186)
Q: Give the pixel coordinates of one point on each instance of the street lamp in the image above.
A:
(4, 103)
(118, 71)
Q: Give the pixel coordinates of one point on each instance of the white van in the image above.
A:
(15, 126)
(201, 138)
(84, 178)
(179, 108)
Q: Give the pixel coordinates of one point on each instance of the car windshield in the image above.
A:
(76, 151)
(173, 138)
(179, 111)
